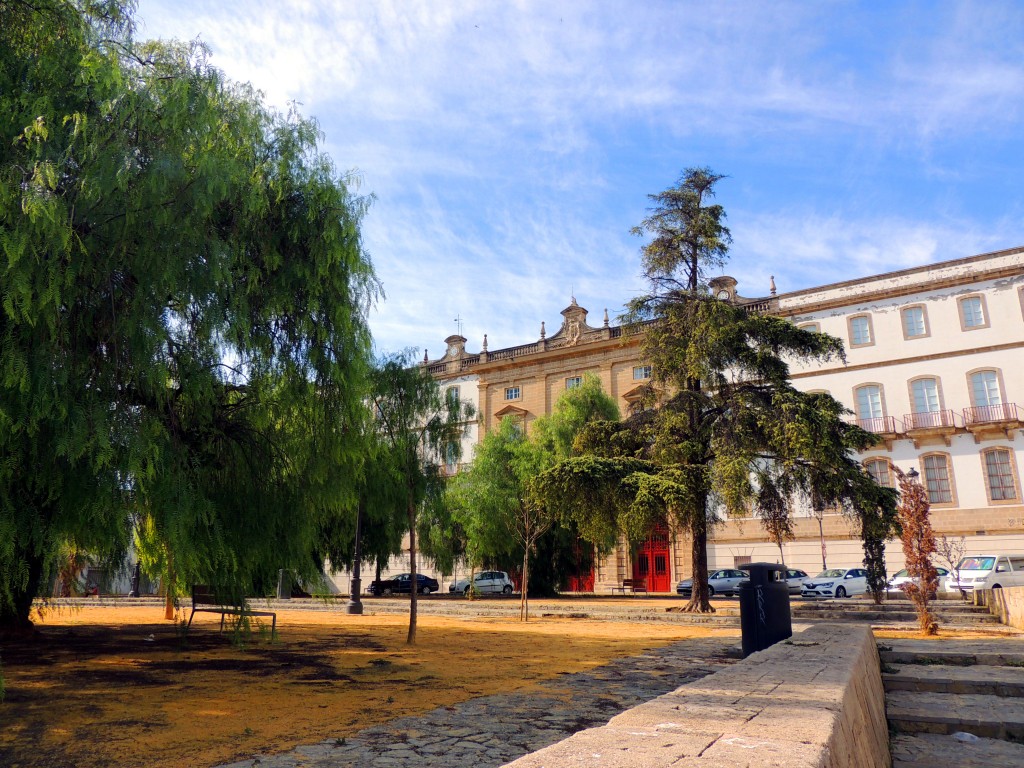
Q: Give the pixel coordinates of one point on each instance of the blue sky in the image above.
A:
(511, 145)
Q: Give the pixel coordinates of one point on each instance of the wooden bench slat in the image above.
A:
(204, 599)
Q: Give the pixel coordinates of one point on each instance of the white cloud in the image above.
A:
(803, 249)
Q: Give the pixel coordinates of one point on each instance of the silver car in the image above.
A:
(485, 582)
(725, 581)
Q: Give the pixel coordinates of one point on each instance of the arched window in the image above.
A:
(973, 313)
(861, 332)
(881, 470)
(1001, 481)
(870, 407)
(915, 321)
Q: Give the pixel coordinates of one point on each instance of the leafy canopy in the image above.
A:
(183, 298)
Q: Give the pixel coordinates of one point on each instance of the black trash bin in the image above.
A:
(764, 607)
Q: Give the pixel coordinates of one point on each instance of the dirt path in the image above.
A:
(120, 686)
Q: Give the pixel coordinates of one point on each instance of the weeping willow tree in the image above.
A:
(183, 299)
(722, 430)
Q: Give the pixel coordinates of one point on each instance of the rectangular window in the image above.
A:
(936, 477)
(641, 372)
(869, 402)
(1000, 475)
(573, 381)
(972, 312)
(512, 393)
(913, 322)
(926, 395)
(453, 394)
(860, 330)
(812, 327)
(985, 389)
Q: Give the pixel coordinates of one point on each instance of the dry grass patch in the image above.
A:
(121, 686)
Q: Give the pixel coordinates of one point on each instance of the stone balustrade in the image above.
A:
(1006, 603)
(815, 700)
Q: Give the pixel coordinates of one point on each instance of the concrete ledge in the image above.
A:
(1006, 603)
(815, 701)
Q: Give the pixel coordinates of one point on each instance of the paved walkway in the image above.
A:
(494, 730)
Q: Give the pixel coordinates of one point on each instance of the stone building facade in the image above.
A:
(935, 366)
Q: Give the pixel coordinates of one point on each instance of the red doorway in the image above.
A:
(651, 561)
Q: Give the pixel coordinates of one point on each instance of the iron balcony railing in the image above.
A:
(881, 425)
(988, 414)
(930, 420)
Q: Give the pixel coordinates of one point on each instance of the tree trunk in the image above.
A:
(700, 601)
(524, 607)
(169, 590)
(14, 619)
(414, 586)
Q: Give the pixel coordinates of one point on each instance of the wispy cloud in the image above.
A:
(511, 145)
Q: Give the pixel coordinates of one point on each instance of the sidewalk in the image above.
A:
(494, 730)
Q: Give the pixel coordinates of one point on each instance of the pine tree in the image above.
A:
(723, 429)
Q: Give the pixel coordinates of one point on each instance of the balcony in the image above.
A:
(929, 426)
(885, 427)
(993, 421)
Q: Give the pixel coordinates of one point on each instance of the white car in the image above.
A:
(795, 579)
(901, 577)
(987, 572)
(836, 582)
(485, 582)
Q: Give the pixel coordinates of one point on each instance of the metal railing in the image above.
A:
(881, 425)
(930, 420)
(988, 414)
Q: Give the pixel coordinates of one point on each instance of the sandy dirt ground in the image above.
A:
(121, 686)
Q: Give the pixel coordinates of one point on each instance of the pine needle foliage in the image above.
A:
(721, 430)
(183, 299)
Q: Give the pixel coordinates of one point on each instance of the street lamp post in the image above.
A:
(354, 605)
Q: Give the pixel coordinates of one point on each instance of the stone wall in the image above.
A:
(815, 700)
(1006, 603)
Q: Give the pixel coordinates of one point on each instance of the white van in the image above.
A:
(987, 572)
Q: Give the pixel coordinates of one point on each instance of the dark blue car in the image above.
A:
(402, 584)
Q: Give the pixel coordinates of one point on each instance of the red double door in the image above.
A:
(651, 561)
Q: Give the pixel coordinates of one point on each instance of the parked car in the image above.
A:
(902, 576)
(485, 582)
(725, 581)
(402, 584)
(795, 579)
(836, 582)
(987, 572)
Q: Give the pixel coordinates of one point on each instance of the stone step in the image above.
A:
(991, 717)
(928, 750)
(900, 607)
(832, 614)
(991, 651)
(978, 679)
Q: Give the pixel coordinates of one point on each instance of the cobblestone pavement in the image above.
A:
(494, 730)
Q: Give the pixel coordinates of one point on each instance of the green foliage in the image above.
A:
(499, 501)
(183, 295)
(420, 430)
(723, 429)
